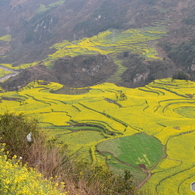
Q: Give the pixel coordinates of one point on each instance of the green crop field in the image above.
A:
(132, 149)
(137, 152)
(151, 133)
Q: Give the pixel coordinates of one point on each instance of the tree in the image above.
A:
(121, 96)
(181, 75)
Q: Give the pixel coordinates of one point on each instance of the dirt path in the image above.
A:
(145, 171)
(148, 172)
(14, 73)
(145, 180)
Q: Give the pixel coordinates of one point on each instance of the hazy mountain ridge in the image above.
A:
(35, 26)
(31, 30)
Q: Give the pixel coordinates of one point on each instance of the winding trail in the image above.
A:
(14, 73)
(145, 180)
(148, 172)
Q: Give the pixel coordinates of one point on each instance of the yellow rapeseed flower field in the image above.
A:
(163, 110)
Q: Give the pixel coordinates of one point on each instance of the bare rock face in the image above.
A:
(140, 72)
(83, 70)
(139, 77)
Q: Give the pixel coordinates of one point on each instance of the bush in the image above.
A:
(181, 54)
(52, 161)
(13, 132)
(17, 179)
(181, 75)
(99, 180)
(39, 153)
(125, 54)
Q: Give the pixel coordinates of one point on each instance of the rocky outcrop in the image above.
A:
(79, 71)
(140, 72)
(83, 70)
(38, 72)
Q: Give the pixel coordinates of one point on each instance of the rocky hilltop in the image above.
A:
(80, 71)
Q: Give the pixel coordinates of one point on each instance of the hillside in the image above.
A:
(111, 80)
(81, 71)
(31, 36)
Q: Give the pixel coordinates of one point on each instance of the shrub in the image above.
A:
(125, 54)
(17, 179)
(13, 132)
(39, 153)
(181, 75)
(99, 180)
(52, 161)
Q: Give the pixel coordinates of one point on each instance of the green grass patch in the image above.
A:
(134, 150)
(43, 8)
(186, 111)
(119, 167)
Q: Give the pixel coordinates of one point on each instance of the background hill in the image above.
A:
(29, 28)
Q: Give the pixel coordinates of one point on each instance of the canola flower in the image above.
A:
(21, 180)
(6, 38)
(107, 43)
(22, 66)
(163, 109)
(4, 72)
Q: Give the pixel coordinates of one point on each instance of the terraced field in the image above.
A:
(109, 42)
(151, 132)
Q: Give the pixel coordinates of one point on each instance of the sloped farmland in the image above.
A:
(148, 130)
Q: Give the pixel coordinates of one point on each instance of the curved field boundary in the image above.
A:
(176, 172)
(172, 101)
(192, 175)
(168, 177)
(151, 109)
(149, 90)
(38, 100)
(171, 91)
(102, 153)
(182, 102)
(96, 123)
(107, 115)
